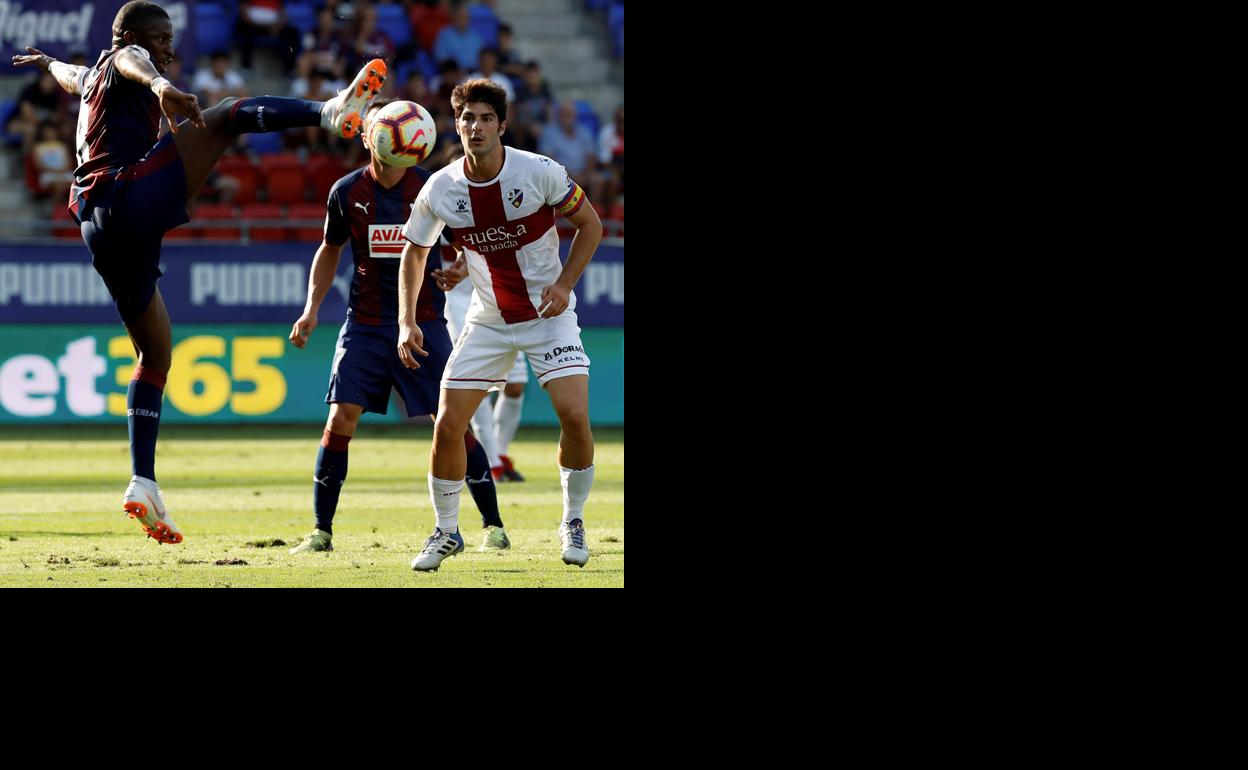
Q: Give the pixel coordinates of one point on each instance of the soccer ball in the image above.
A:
(402, 134)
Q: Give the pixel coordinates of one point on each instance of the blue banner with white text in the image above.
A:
(61, 28)
(261, 283)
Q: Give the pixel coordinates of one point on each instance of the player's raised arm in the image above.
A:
(588, 235)
(411, 276)
(66, 74)
(320, 279)
(134, 64)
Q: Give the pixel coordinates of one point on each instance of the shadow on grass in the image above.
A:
(282, 432)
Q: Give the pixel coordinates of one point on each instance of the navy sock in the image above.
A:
(260, 114)
(143, 419)
(481, 483)
(331, 472)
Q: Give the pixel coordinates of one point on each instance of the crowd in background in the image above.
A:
(442, 51)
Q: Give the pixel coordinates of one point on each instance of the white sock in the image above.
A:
(445, 496)
(327, 114)
(576, 486)
(483, 426)
(506, 420)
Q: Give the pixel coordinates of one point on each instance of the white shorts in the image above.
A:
(485, 353)
(457, 302)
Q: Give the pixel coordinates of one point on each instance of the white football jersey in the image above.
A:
(506, 227)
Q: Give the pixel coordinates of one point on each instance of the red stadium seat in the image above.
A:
(265, 234)
(309, 211)
(248, 176)
(617, 213)
(279, 160)
(323, 171)
(65, 226)
(221, 211)
(286, 185)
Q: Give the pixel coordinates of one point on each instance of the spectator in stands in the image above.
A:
(317, 86)
(218, 80)
(458, 41)
(324, 46)
(611, 156)
(532, 109)
(571, 145)
(264, 22)
(369, 41)
(39, 101)
(509, 62)
(415, 90)
(450, 74)
(54, 164)
(488, 68)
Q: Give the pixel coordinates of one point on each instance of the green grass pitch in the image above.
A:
(235, 491)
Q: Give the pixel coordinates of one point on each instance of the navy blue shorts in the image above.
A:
(124, 221)
(366, 366)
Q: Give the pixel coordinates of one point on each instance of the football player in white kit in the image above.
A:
(495, 427)
(501, 203)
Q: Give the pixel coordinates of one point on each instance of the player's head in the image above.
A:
(146, 25)
(480, 115)
(370, 114)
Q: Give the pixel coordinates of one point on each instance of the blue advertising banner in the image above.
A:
(60, 28)
(262, 283)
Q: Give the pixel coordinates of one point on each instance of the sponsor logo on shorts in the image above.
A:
(552, 355)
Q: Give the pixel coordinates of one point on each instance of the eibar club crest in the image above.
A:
(515, 197)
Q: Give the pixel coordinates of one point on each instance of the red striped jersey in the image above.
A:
(506, 227)
(371, 217)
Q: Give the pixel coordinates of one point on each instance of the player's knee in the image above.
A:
(574, 417)
(449, 427)
(342, 424)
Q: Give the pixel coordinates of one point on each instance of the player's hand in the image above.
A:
(37, 57)
(448, 277)
(411, 338)
(302, 328)
(174, 102)
(554, 301)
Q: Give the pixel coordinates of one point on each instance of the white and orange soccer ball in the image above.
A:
(402, 134)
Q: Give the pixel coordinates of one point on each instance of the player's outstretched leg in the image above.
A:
(330, 474)
(200, 148)
(570, 397)
(485, 495)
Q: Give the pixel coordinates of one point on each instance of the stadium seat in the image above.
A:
(430, 24)
(617, 213)
(323, 171)
(615, 25)
(7, 108)
(248, 176)
(483, 21)
(218, 211)
(286, 184)
(309, 211)
(586, 116)
(64, 225)
(392, 20)
(302, 16)
(279, 160)
(214, 27)
(265, 233)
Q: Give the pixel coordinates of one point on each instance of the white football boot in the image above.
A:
(574, 549)
(144, 503)
(439, 546)
(344, 114)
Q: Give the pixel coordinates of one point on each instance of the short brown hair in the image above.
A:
(479, 90)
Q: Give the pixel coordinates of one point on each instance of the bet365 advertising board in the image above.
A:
(65, 357)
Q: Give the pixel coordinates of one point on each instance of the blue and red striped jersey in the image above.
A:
(371, 217)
